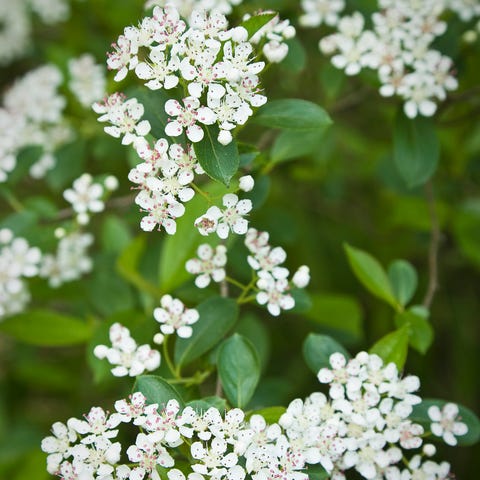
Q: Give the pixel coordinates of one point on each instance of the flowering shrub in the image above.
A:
(164, 232)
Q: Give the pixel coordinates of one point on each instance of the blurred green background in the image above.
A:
(347, 190)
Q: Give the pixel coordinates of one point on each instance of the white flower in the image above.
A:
(87, 79)
(444, 423)
(162, 210)
(209, 265)
(124, 115)
(58, 445)
(246, 183)
(85, 196)
(301, 277)
(222, 221)
(317, 12)
(148, 455)
(70, 261)
(174, 317)
(274, 294)
(187, 118)
(130, 359)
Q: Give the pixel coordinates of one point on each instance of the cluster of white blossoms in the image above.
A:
(272, 37)
(128, 357)
(186, 7)
(398, 47)
(87, 79)
(18, 260)
(215, 65)
(174, 318)
(32, 115)
(273, 283)
(163, 180)
(87, 196)
(70, 261)
(210, 265)
(16, 23)
(363, 424)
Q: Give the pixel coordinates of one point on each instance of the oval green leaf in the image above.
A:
(371, 274)
(403, 279)
(217, 316)
(238, 369)
(46, 329)
(253, 24)
(317, 350)
(416, 149)
(220, 162)
(156, 390)
(420, 331)
(465, 415)
(203, 404)
(393, 347)
(292, 114)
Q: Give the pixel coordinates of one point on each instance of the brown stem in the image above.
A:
(433, 248)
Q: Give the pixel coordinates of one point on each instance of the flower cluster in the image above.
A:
(363, 425)
(124, 116)
(129, 358)
(210, 265)
(272, 36)
(32, 115)
(16, 23)
(17, 261)
(273, 283)
(164, 179)
(174, 317)
(364, 422)
(87, 80)
(186, 7)
(85, 197)
(398, 47)
(70, 261)
(215, 64)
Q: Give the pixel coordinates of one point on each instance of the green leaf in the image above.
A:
(254, 329)
(47, 329)
(294, 144)
(416, 149)
(219, 161)
(337, 312)
(317, 350)
(256, 22)
(296, 59)
(420, 331)
(403, 279)
(128, 262)
(115, 234)
(393, 347)
(270, 414)
(371, 274)
(217, 317)
(238, 369)
(154, 104)
(420, 415)
(292, 114)
(156, 390)
(317, 472)
(203, 404)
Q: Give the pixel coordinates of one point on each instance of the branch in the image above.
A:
(433, 248)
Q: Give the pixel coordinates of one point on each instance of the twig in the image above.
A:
(433, 248)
